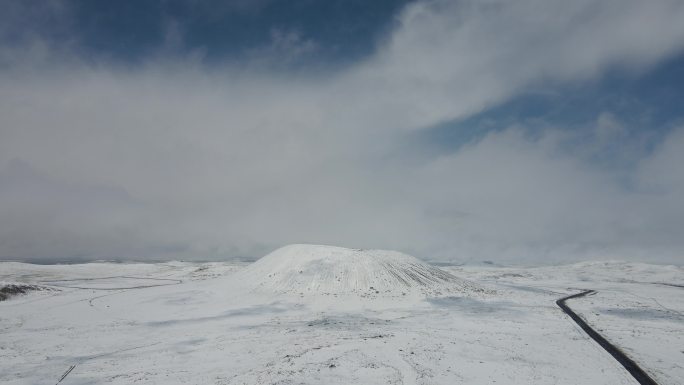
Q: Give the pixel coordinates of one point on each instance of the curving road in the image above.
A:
(626, 362)
(65, 283)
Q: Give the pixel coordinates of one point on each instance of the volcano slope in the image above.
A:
(328, 270)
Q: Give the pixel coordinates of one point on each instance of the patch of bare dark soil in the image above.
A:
(9, 290)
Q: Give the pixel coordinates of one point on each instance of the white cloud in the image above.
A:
(525, 199)
(449, 59)
(231, 161)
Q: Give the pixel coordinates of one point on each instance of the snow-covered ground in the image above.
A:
(308, 315)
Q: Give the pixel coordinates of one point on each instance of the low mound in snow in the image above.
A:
(313, 269)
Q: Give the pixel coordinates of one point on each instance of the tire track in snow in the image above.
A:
(66, 373)
(84, 359)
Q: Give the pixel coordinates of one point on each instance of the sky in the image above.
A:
(518, 132)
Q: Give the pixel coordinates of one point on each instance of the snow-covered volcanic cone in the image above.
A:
(326, 270)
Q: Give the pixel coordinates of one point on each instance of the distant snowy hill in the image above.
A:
(265, 323)
(326, 270)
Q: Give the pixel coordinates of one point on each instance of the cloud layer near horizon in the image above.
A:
(173, 159)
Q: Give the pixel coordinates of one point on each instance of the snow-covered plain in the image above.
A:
(308, 315)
